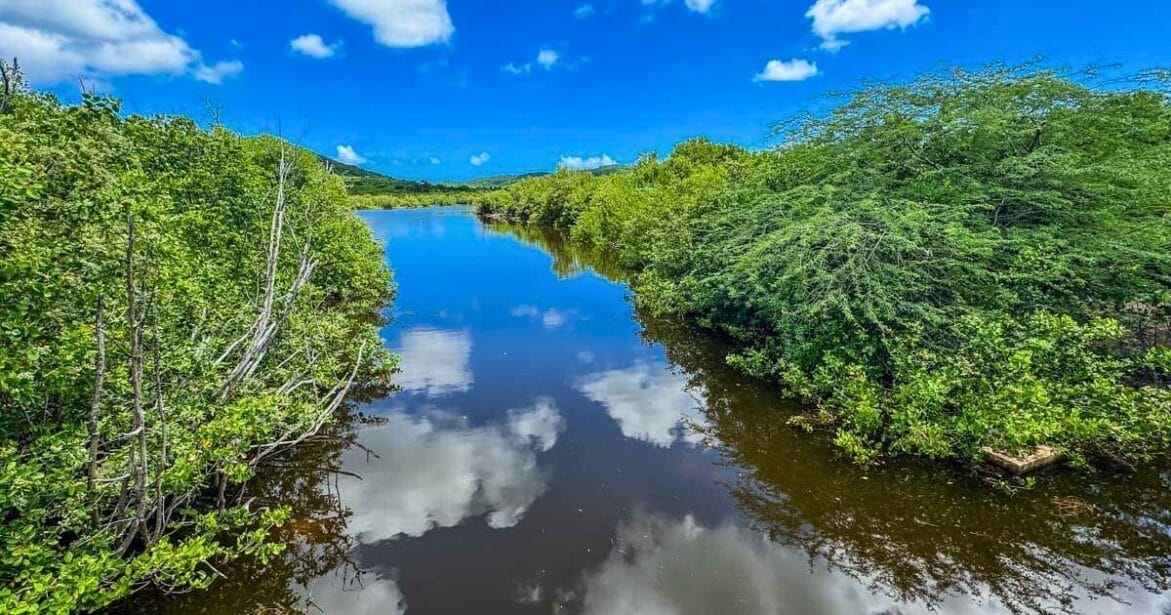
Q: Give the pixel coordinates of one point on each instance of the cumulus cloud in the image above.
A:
(699, 6)
(347, 155)
(695, 6)
(435, 362)
(436, 471)
(584, 11)
(793, 70)
(547, 58)
(649, 402)
(479, 159)
(578, 163)
(834, 17)
(313, 46)
(216, 73)
(58, 40)
(517, 69)
(402, 23)
(433, 160)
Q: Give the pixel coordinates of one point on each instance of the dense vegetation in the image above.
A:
(178, 304)
(426, 198)
(969, 260)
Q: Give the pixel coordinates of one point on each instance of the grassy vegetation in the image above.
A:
(968, 260)
(178, 304)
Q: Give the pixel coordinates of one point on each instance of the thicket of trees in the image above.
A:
(968, 260)
(178, 304)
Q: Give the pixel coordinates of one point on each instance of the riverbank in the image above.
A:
(180, 306)
(961, 263)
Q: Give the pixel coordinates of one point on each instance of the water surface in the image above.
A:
(551, 452)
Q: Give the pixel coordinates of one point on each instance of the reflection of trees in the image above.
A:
(569, 258)
(317, 543)
(918, 531)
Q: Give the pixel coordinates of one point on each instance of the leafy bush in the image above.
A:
(178, 303)
(966, 260)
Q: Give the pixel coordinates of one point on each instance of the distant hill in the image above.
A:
(503, 181)
(500, 181)
(364, 181)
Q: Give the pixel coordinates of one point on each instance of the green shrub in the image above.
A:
(966, 260)
(138, 248)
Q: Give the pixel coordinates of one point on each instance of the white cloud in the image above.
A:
(347, 155)
(433, 160)
(435, 362)
(313, 46)
(216, 73)
(58, 40)
(650, 403)
(793, 70)
(834, 17)
(517, 69)
(436, 471)
(577, 163)
(584, 11)
(699, 6)
(402, 23)
(547, 58)
(695, 6)
(479, 159)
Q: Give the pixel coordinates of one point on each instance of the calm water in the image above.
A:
(550, 452)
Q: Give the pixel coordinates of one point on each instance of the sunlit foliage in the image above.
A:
(137, 388)
(968, 260)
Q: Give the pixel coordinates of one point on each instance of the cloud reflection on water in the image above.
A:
(435, 471)
(334, 594)
(435, 362)
(551, 319)
(650, 402)
(663, 566)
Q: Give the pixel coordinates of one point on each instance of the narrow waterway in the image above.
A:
(550, 452)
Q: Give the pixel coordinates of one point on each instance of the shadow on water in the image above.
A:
(917, 531)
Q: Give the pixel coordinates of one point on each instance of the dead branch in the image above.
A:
(95, 406)
(161, 410)
(337, 395)
(268, 323)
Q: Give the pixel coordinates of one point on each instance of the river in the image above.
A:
(549, 451)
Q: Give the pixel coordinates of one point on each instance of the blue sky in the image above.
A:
(426, 88)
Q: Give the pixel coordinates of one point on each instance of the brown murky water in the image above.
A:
(550, 452)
